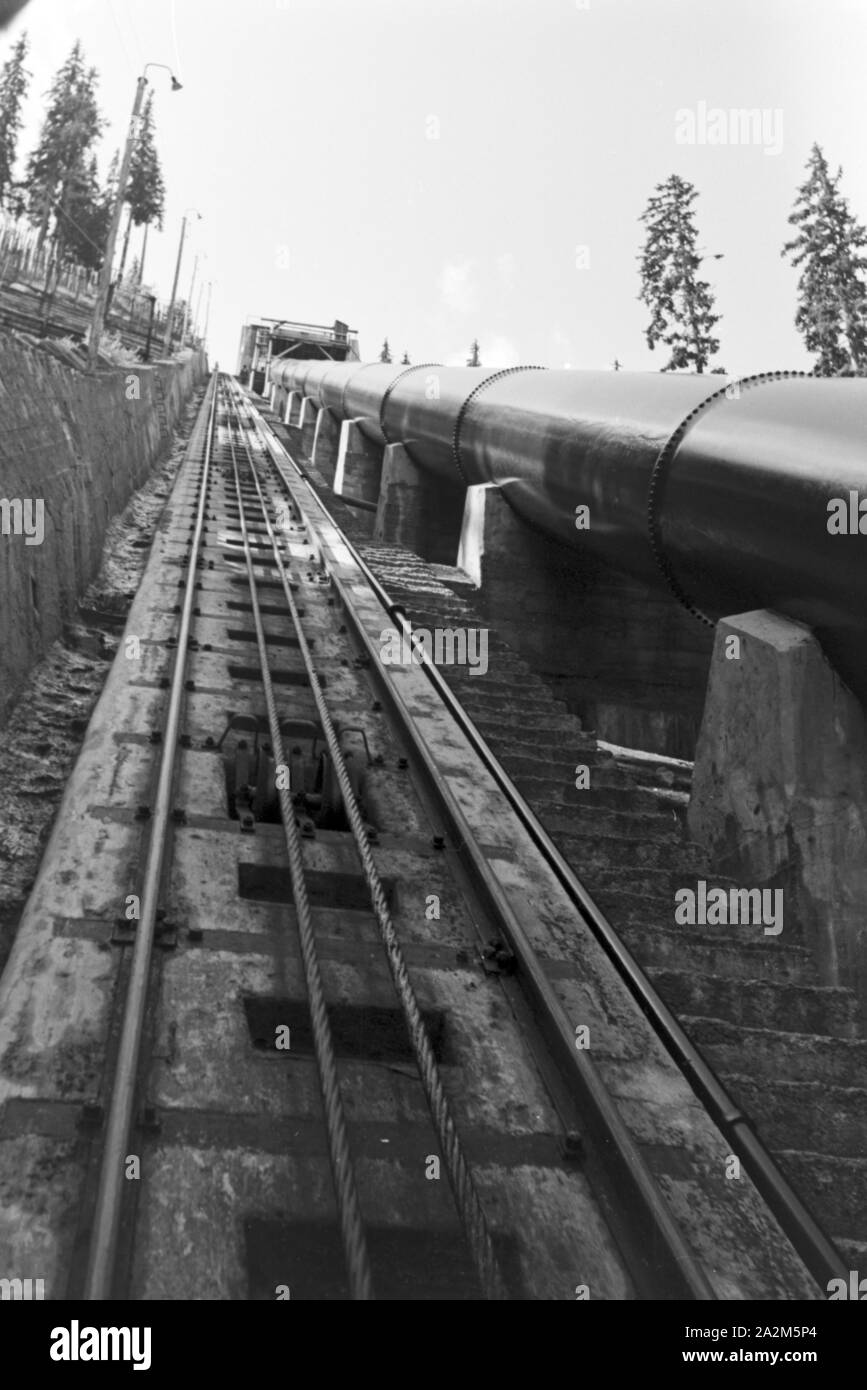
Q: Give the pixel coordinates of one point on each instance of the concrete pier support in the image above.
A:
(307, 425)
(780, 786)
(627, 659)
(326, 441)
(418, 510)
(290, 406)
(359, 465)
(356, 476)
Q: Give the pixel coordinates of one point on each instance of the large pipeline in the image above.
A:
(737, 495)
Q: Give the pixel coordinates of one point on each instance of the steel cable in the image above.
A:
(349, 1212)
(463, 1187)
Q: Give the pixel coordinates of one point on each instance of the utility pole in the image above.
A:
(167, 341)
(144, 247)
(198, 307)
(147, 351)
(189, 300)
(207, 314)
(99, 308)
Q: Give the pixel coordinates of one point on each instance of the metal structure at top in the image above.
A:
(264, 341)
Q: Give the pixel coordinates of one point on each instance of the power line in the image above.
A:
(127, 53)
(129, 13)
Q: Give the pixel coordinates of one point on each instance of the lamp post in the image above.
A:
(99, 308)
(167, 341)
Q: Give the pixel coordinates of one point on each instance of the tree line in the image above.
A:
(474, 359)
(61, 191)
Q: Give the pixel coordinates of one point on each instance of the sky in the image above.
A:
(436, 171)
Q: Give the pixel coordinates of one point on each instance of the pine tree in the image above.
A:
(72, 124)
(145, 190)
(680, 303)
(832, 294)
(474, 360)
(13, 86)
(404, 361)
(385, 355)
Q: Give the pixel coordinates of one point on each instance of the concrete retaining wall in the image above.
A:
(78, 444)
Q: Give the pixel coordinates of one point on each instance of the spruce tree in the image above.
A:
(474, 360)
(385, 354)
(832, 294)
(680, 303)
(72, 123)
(83, 214)
(404, 361)
(13, 86)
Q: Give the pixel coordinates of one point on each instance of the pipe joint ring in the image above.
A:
(659, 477)
(480, 386)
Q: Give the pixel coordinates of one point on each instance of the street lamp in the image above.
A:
(167, 341)
(99, 308)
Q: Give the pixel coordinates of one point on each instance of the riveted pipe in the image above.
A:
(720, 489)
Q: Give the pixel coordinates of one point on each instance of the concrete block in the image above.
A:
(418, 509)
(307, 425)
(326, 441)
(780, 785)
(626, 658)
(359, 465)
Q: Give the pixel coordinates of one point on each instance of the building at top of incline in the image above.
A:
(263, 340)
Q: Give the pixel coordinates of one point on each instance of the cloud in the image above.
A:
(562, 349)
(457, 287)
(499, 351)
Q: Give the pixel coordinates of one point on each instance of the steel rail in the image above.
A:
(467, 1200)
(794, 1217)
(102, 1254)
(345, 1190)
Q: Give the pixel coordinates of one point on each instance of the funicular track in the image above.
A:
(443, 1112)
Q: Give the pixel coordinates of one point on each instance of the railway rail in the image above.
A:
(304, 1002)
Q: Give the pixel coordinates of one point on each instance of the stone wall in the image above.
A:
(74, 445)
